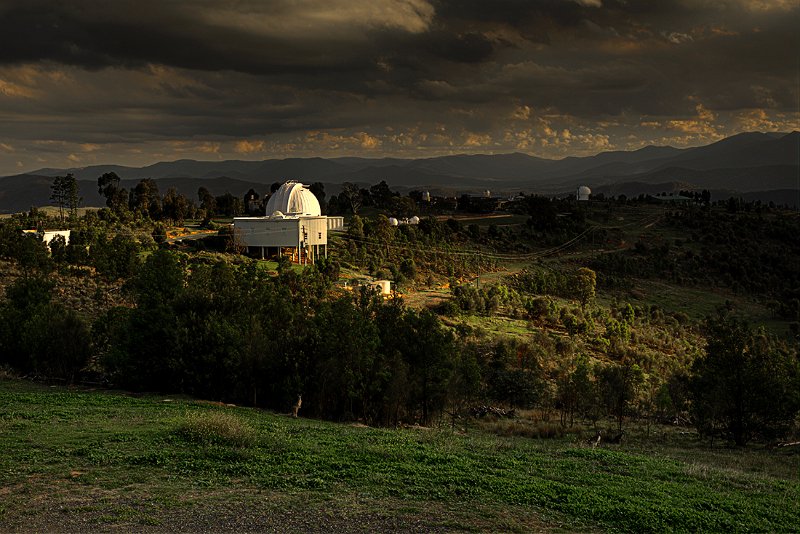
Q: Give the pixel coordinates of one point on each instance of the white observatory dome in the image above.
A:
(413, 220)
(293, 198)
(583, 193)
(393, 221)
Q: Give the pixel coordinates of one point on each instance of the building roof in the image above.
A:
(293, 198)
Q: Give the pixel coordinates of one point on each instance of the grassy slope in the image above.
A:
(60, 446)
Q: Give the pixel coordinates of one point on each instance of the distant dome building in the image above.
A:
(293, 226)
(583, 193)
(293, 198)
(393, 221)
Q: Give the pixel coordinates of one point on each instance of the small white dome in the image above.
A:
(413, 220)
(293, 198)
(277, 214)
(583, 193)
(393, 221)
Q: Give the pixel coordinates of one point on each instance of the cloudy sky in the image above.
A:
(135, 82)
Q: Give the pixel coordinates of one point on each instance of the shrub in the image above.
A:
(218, 428)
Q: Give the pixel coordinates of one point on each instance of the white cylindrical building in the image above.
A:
(583, 193)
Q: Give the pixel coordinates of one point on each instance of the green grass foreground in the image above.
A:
(143, 459)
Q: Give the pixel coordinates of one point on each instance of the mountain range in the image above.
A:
(764, 166)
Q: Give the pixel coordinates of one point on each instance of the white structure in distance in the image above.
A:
(48, 235)
(293, 226)
(583, 193)
(394, 221)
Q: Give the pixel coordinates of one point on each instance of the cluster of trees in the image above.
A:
(402, 252)
(745, 252)
(352, 198)
(64, 194)
(40, 336)
(748, 384)
(114, 253)
(235, 333)
(745, 385)
(144, 201)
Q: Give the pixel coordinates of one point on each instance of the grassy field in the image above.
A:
(84, 460)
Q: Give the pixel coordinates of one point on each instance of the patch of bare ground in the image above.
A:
(68, 506)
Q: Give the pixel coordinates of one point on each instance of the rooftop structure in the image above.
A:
(294, 199)
(293, 227)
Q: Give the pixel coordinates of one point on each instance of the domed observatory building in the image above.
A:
(583, 193)
(293, 226)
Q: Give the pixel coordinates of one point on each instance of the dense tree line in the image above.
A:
(229, 331)
(747, 252)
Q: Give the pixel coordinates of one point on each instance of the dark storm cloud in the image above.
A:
(85, 35)
(506, 74)
(205, 36)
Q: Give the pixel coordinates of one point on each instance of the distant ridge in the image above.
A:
(746, 163)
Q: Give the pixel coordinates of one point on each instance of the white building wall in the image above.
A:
(49, 235)
(263, 232)
(289, 232)
(335, 223)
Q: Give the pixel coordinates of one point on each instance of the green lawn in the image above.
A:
(103, 459)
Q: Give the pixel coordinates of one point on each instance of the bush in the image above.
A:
(217, 428)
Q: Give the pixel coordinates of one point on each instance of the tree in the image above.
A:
(408, 268)
(585, 285)
(229, 205)
(145, 198)
(318, 189)
(353, 196)
(116, 196)
(619, 386)
(64, 192)
(32, 254)
(748, 384)
(427, 347)
(381, 195)
(207, 201)
(175, 206)
(355, 228)
(543, 215)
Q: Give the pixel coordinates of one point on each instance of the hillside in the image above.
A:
(745, 163)
(87, 460)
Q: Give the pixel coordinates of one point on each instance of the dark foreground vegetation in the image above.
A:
(86, 460)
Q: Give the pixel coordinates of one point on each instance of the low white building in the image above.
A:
(293, 226)
(48, 235)
(384, 287)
